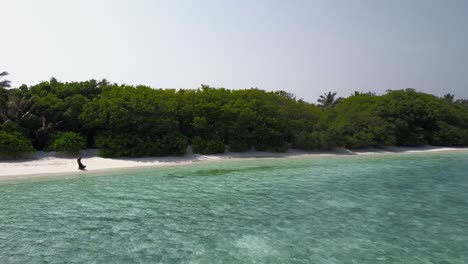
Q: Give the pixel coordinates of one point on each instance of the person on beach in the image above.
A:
(80, 165)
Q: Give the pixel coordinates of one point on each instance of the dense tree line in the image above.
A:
(122, 120)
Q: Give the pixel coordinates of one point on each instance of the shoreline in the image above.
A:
(51, 164)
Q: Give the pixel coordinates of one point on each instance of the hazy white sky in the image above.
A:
(304, 47)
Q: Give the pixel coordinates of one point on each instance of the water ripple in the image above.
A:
(379, 209)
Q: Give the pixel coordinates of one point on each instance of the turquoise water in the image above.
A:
(410, 208)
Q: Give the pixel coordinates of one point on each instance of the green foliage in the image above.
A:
(131, 145)
(238, 144)
(416, 116)
(333, 136)
(68, 142)
(129, 121)
(448, 135)
(4, 83)
(13, 144)
(208, 146)
(360, 139)
(307, 140)
(357, 124)
(328, 100)
(270, 139)
(74, 106)
(3, 103)
(13, 127)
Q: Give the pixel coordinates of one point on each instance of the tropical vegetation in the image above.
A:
(68, 143)
(137, 121)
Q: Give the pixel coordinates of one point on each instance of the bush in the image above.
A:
(359, 139)
(174, 144)
(238, 144)
(120, 145)
(448, 135)
(271, 147)
(270, 140)
(12, 144)
(208, 146)
(68, 142)
(412, 139)
(132, 145)
(307, 141)
(276, 147)
(332, 137)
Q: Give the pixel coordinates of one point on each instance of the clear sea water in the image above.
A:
(400, 208)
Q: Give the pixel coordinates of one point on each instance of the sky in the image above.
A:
(303, 47)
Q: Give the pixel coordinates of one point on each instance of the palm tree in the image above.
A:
(103, 82)
(4, 83)
(20, 107)
(328, 100)
(449, 97)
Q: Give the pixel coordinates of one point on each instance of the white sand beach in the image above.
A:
(55, 164)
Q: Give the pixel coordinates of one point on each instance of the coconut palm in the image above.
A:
(328, 100)
(103, 82)
(4, 83)
(449, 97)
(19, 107)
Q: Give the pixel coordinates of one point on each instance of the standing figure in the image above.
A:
(80, 165)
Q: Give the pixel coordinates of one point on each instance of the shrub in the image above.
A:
(12, 144)
(118, 145)
(208, 146)
(448, 135)
(268, 139)
(359, 139)
(68, 142)
(275, 147)
(238, 144)
(307, 141)
(133, 145)
(173, 144)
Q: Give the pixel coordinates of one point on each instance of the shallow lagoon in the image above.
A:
(397, 208)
